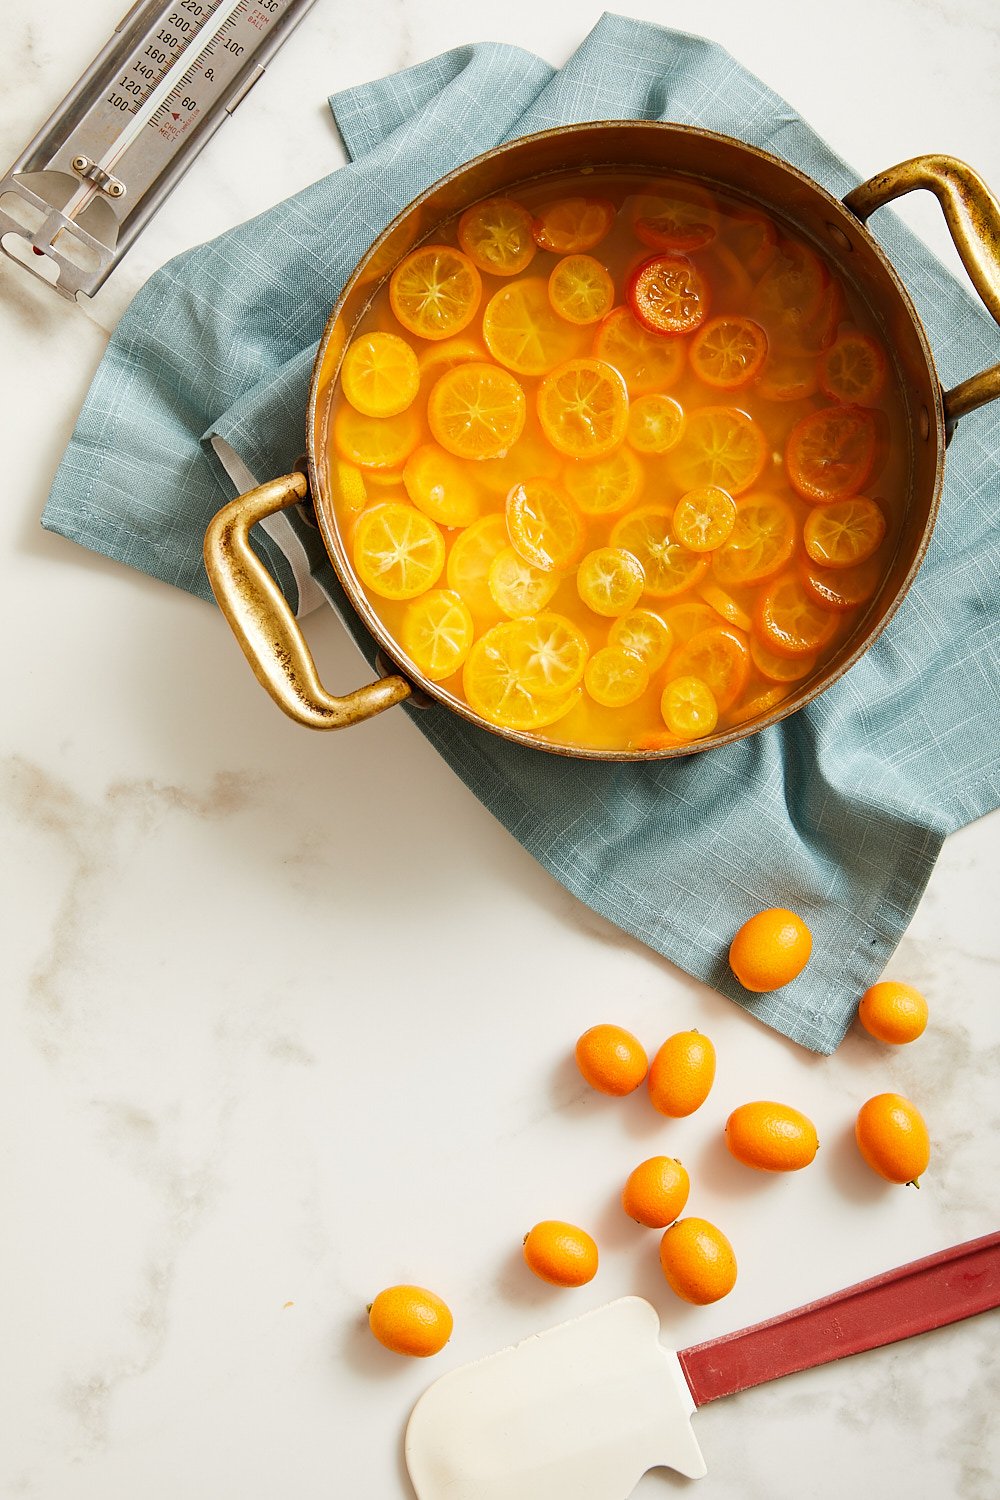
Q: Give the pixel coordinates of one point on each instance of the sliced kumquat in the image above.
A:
(495, 687)
(760, 543)
(689, 710)
(553, 654)
(573, 224)
(518, 588)
(604, 486)
(610, 581)
(844, 533)
(435, 291)
(375, 442)
(349, 487)
(791, 621)
(530, 455)
(434, 359)
(496, 236)
(544, 525)
(615, 678)
(440, 486)
(790, 292)
(384, 479)
(655, 423)
(777, 668)
(644, 634)
(854, 369)
(685, 620)
(646, 362)
(685, 218)
(728, 352)
(398, 551)
(720, 657)
(436, 633)
(470, 560)
(704, 518)
(758, 706)
(787, 377)
(583, 408)
(725, 606)
(844, 589)
(819, 332)
(668, 567)
(523, 330)
(830, 454)
(380, 375)
(476, 411)
(580, 290)
(754, 239)
(721, 446)
(668, 295)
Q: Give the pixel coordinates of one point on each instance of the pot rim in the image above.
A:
(331, 538)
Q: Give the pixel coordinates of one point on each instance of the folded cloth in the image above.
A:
(840, 811)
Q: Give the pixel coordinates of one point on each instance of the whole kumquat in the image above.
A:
(656, 1192)
(410, 1320)
(893, 1138)
(611, 1059)
(682, 1073)
(560, 1253)
(893, 1012)
(771, 1137)
(770, 950)
(698, 1261)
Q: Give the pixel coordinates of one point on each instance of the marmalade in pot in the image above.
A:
(618, 461)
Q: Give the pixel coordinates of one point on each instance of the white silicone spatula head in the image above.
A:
(582, 1410)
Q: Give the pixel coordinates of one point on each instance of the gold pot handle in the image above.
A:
(263, 623)
(973, 216)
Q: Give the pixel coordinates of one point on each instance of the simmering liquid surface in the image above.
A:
(618, 461)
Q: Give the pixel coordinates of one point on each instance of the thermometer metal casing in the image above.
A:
(121, 139)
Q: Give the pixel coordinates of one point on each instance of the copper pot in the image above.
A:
(256, 610)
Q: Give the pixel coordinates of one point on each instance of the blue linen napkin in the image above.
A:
(840, 811)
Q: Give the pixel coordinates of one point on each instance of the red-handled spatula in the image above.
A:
(582, 1411)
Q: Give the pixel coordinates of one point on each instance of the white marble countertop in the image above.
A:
(249, 1074)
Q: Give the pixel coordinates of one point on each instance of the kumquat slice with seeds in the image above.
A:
(614, 678)
(398, 551)
(688, 708)
(844, 533)
(476, 411)
(646, 362)
(718, 656)
(668, 567)
(496, 236)
(544, 525)
(518, 588)
(760, 544)
(440, 486)
(610, 581)
(655, 424)
(721, 446)
(524, 331)
(571, 225)
(728, 352)
(704, 518)
(830, 454)
(435, 291)
(604, 486)
(436, 633)
(375, 442)
(668, 295)
(581, 290)
(685, 218)
(644, 634)
(380, 375)
(583, 408)
(854, 369)
(790, 620)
